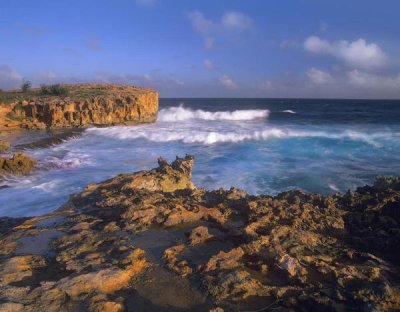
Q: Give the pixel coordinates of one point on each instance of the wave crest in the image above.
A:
(289, 111)
(213, 137)
(180, 113)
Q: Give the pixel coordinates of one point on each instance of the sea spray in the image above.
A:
(249, 144)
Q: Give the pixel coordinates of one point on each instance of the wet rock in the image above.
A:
(235, 286)
(21, 268)
(12, 307)
(19, 164)
(225, 260)
(174, 263)
(4, 146)
(199, 235)
(166, 178)
(107, 306)
(151, 241)
(291, 265)
(6, 223)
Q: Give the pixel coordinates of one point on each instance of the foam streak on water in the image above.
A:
(258, 145)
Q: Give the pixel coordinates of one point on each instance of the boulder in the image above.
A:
(18, 164)
(199, 235)
(4, 146)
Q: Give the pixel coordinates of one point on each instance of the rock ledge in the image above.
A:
(152, 241)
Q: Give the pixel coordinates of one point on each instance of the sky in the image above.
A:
(207, 48)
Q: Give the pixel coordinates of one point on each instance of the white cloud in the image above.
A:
(209, 29)
(358, 54)
(204, 27)
(236, 20)
(318, 76)
(9, 78)
(227, 82)
(371, 81)
(200, 23)
(208, 64)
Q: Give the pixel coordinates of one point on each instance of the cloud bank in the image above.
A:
(230, 21)
(227, 82)
(357, 54)
(318, 76)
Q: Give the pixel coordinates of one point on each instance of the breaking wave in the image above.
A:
(212, 137)
(289, 111)
(181, 113)
(69, 161)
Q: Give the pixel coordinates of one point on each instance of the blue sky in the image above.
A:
(207, 48)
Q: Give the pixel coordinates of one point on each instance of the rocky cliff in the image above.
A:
(82, 105)
(152, 241)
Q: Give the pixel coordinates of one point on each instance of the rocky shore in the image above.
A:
(82, 105)
(17, 164)
(152, 241)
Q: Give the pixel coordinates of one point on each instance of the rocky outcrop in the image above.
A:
(152, 241)
(4, 146)
(18, 164)
(85, 104)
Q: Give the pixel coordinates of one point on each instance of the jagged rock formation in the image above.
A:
(4, 146)
(85, 104)
(18, 164)
(151, 241)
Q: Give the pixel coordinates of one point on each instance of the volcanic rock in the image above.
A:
(84, 105)
(4, 146)
(152, 241)
(18, 164)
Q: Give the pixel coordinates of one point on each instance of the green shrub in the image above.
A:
(55, 89)
(13, 116)
(18, 106)
(26, 86)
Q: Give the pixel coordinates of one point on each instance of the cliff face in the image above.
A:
(86, 104)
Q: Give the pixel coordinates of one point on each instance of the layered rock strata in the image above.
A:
(152, 241)
(85, 104)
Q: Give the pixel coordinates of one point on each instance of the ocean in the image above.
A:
(263, 146)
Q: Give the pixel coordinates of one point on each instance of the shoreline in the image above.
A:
(124, 240)
(30, 139)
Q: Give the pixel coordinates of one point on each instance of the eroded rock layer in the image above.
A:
(85, 104)
(151, 241)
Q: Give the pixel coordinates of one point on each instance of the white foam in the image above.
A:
(47, 186)
(333, 187)
(181, 113)
(69, 161)
(202, 135)
(289, 111)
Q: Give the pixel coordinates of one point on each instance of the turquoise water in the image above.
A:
(262, 146)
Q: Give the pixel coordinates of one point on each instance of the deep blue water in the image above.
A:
(260, 145)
